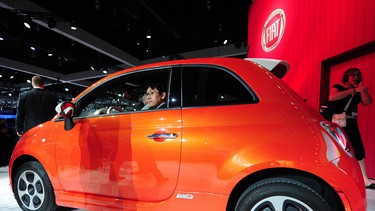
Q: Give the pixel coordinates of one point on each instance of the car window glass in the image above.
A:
(121, 94)
(203, 86)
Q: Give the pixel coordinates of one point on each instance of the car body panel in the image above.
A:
(116, 157)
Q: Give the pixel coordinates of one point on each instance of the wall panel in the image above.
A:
(317, 31)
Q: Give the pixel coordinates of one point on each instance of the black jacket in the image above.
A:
(33, 108)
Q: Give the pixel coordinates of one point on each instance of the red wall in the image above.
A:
(317, 30)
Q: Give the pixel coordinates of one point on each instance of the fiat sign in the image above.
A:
(273, 30)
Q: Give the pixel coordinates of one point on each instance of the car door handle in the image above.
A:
(162, 136)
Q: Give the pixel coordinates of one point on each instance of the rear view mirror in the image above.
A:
(66, 110)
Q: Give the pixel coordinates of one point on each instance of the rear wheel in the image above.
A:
(33, 189)
(280, 194)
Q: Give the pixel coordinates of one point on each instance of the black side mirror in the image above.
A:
(66, 110)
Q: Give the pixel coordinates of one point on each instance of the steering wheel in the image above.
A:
(114, 109)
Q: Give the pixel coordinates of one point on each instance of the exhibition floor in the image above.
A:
(8, 203)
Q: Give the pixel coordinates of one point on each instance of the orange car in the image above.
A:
(232, 136)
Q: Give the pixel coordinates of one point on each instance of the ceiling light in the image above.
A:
(32, 48)
(66, 89)
(220, 27)
(92, 68)
(148, 36)
(97, 5)
(11, 77)
(208, 5)
(27, 25)
(28, 81)
(225, 42)
(50, 53)
(1, 38)
(105, 71)
(73, 26)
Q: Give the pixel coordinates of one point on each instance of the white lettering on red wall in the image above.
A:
(273, 30)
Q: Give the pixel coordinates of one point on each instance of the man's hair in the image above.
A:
(37, 81)
(160, 87)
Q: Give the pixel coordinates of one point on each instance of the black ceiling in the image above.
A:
(111, 35)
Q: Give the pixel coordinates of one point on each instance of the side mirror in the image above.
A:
(66, 110)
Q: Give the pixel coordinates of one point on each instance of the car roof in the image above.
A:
(278, 67)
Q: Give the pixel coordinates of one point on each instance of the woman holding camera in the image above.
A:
(347, 96)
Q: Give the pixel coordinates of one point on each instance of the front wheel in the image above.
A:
(33, 189)
(280, 194)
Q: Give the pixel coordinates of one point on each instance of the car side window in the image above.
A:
(121, 94)
(212, 86)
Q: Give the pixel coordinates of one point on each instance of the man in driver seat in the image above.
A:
(156, 96)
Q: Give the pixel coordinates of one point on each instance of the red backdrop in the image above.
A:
(316, 31)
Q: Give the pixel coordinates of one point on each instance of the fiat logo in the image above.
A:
(273, 30)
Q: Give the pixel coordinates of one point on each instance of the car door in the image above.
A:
(126, 153)
(218, 108)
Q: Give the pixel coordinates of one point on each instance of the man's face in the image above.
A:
(154, 97)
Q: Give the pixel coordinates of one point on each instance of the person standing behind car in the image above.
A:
(340, 94)
(6, 145)
(34, 107)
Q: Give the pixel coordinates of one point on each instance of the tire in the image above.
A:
(280, 194)
(33, 189)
